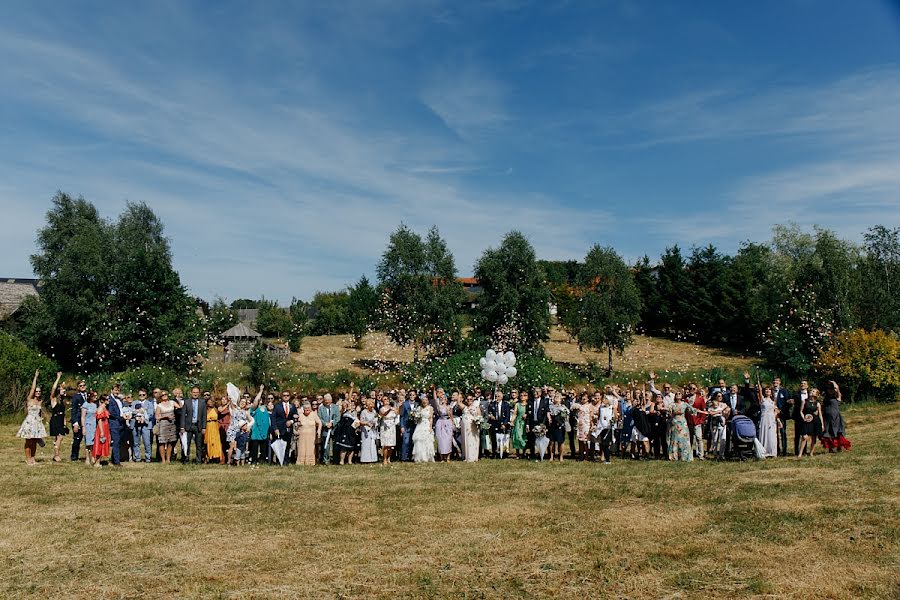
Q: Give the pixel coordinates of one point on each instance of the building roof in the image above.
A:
(13, 293)
(241, 331)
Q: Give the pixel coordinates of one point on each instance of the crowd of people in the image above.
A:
(269, 427)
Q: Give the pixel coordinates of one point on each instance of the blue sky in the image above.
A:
(281, 143)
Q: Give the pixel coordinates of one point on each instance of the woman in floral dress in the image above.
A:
(680, 435)
(32, 429)
(584, 416)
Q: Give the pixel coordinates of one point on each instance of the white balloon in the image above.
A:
(509, 359)
(511, 372)
(491, 376)
(482, 361)
(490, 365)
(483, 374)
(502, 379)
(490, 355)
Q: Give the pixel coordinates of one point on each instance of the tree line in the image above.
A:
(111, 299)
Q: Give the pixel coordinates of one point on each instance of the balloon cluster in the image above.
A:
(498, 368)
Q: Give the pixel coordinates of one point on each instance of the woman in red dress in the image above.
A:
(101, 447)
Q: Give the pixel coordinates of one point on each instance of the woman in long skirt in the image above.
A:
(89, 425)
(310, 429)
(519, 411)
(444, 428)
(368, 420)
(101, 449)
(211, 438)
(834, 428)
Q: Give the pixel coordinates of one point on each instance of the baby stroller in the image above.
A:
(742, 438)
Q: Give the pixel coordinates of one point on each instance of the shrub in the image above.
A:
(18, 363)
(462, 371)
(866, 364)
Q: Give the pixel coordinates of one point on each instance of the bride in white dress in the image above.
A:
(471, 430)
(423, 436)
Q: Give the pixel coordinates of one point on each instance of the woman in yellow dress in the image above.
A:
(310, 429)
(211, 436)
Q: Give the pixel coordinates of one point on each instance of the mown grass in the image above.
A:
(826, 527)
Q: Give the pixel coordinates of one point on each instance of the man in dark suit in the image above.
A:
(750, 407)
(116, 423)
(406, 427)
(538, 409)
(78, 400)
(784, 403)
(734, 401)
(498, 416)
(193, 425)
(283, 418)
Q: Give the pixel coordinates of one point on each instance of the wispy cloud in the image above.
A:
(305, 189)
(470, 102)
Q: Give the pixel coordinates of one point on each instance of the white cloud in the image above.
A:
(282, 200)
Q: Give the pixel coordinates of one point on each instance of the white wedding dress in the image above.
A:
(471, 433)
(423, 437)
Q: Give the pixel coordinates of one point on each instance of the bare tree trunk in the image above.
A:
(609, 365)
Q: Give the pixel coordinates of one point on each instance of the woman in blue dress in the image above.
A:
(89, 424)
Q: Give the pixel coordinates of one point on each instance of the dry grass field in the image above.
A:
(826, 527)
(326, 354)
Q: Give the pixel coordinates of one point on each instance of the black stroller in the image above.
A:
(742, 438)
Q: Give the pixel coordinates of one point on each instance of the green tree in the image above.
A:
(610, 303)
(221, 318)
(673, 287)
(750, 297)
(362, 306)
(299, 311)
(111, 299)
(244, 303)
(329, 310)
(707, 269)
(645, 279)
(73, 264)
(421, 297)
(560, 272)
(513, 309)
(879, 280)
(272, 320)
(152, 319)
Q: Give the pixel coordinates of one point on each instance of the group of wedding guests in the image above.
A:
(281, 427)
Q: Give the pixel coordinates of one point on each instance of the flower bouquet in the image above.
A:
(415, 415)
(483, 423)
(540, 431)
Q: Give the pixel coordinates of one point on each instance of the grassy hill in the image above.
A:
(826, 527)
(327, 354)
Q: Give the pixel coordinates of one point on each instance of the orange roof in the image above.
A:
(468, 280)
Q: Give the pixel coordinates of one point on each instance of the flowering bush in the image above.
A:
(865, 364)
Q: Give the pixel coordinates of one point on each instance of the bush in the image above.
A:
(866, 364)
(18, 363)
(462, 371)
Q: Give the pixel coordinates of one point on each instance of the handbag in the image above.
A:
(156, 430)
